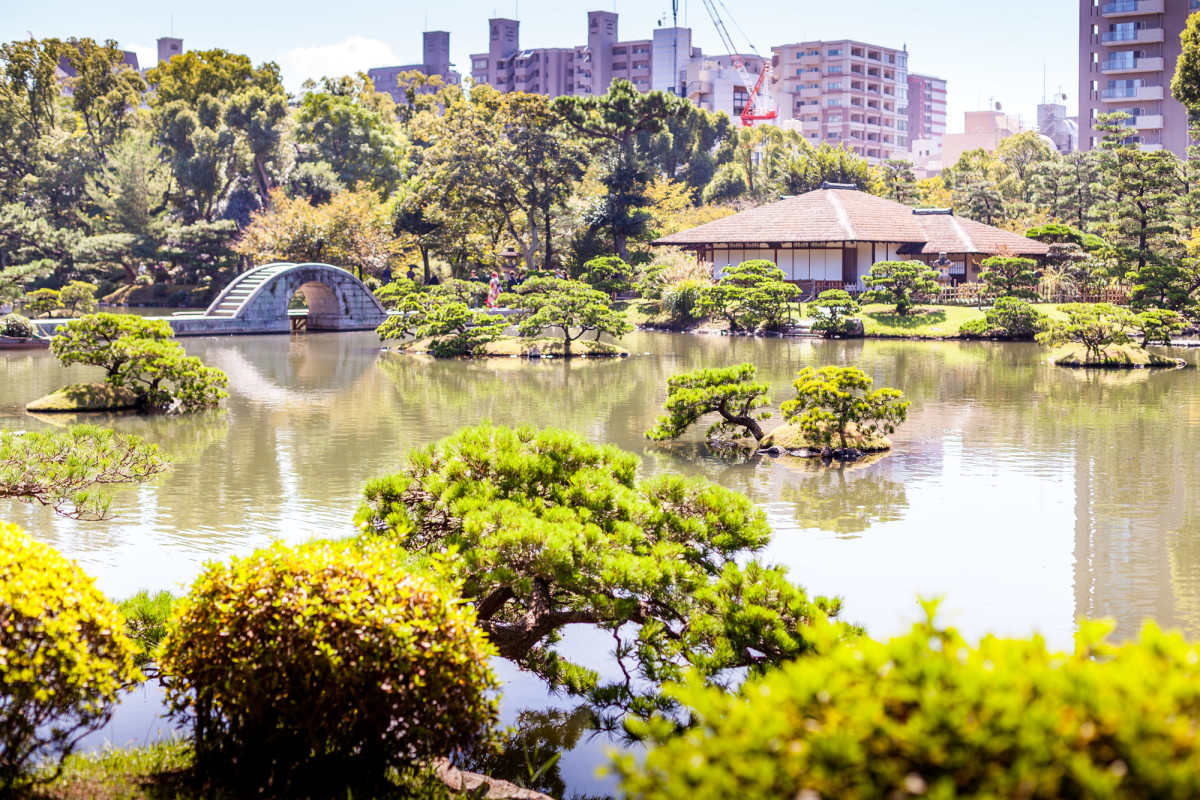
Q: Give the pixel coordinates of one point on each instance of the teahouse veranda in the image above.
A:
(830, 237)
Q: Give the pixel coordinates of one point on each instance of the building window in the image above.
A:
(834, 68)
(833, 85)
(833, 101)
(836, 51)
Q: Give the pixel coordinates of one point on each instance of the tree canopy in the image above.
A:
(547, 531)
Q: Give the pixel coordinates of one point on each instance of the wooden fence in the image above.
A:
(971, 294)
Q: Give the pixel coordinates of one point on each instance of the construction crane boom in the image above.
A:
(759, 105)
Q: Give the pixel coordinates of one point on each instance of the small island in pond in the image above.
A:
(835, 414)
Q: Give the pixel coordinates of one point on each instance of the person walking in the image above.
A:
(411, 274)
(493, 296)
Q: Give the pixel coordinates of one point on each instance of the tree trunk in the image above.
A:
(547, 262)
(264, 185)
(622, 249)
(746, 421)
(425, 259)
(532, 249)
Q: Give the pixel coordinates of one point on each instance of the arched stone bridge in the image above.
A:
(337, 301)
(257, 302)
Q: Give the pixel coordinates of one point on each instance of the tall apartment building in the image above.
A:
(845, 92)
(435, 61)
(168, 48)
(1127, 54)
(926, 107)
(556, 71)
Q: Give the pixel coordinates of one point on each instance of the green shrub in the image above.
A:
(927, 714)
(1009, 318)
(63, 657)
(324, 661)
(833, 312)
(975, 329)
(17, 326)
(608, 274)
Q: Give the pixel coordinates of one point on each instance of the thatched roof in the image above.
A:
(847, 215)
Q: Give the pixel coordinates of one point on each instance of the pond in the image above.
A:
(1025, 495)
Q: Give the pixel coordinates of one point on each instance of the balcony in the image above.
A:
(1140, 36)
(1125, 8)
(1121, 93)
(1150, 122)
(1115, 66)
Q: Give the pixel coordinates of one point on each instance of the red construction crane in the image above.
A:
(760, 105)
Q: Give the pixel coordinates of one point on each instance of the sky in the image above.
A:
(989, 52)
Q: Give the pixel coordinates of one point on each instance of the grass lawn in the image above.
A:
(930, 321)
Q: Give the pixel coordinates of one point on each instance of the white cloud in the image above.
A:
(147, 56)
(356, 54)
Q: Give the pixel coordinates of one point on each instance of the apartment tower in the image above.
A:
(1127, 55)
(926, 108)
(435, 50)
(845, 92)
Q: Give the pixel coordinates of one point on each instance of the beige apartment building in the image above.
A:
(1127, 55)
(556, 71)
(926, 107)
(845, 92)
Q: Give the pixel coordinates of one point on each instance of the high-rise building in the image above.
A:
(982, 130)
(556, 71)
(1127, 55)
(845, 92)
(435, 61)
(926, 107)
(168, 48)
(714, 84)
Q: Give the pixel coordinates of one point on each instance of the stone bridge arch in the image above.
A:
(337, 301)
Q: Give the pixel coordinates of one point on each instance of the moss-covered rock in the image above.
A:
(88, 397)
(1118, 356)
(791, 438)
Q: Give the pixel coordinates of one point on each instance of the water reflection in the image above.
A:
(1025, 494)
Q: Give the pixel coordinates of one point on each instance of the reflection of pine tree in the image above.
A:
(539, 736)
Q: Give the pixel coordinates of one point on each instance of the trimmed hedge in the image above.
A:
(63, 657)
(324, 661)
(927, 714)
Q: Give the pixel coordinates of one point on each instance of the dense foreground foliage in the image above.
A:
(323, 661)
(63, 656)
(549, 531)
(929, 715)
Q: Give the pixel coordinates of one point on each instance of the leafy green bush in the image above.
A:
(324, 661)
(929, 715)
(608, 274)
(63, 656)
(1009, 318)
(750, 295)
(901, 282)
(17, 326)
(451, 327)
(730, 392)
(41, 301)
(834, 308)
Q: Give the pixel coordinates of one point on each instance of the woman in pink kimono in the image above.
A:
(493, 290)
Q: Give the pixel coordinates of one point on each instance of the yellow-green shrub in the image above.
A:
(926, 714)
(63, 655)
(325, 661)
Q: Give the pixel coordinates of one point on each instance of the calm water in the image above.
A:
(1025, 495)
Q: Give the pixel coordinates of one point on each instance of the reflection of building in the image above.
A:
(981, 130)
(1127, 55)
(829, 238)
(845, 92)
(435, 61)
